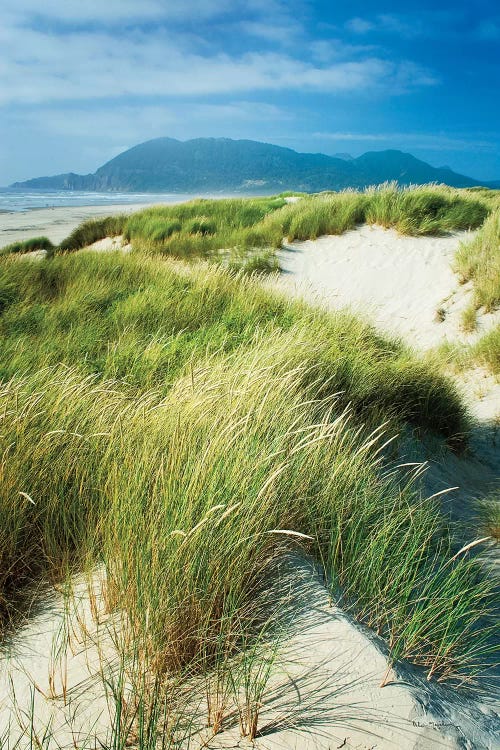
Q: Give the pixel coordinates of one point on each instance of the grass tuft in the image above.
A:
(92, 230)
(227, 230)
(487, 350)
(28, 246)
(144, 320)
(479, 261)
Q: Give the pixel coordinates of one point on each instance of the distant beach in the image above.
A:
(54, 214)
(54, 223)
(25, 200)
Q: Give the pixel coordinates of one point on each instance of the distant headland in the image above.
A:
(210, 164)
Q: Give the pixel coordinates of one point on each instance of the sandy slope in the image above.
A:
(325, 692)
(52, 674)
(397, 282)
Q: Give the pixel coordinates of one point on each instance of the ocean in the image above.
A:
(25, 200)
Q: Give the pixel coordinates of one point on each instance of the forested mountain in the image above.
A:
(221, 164)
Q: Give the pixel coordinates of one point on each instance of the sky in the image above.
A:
(83, 80)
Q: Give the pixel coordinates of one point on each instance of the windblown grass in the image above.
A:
(185, 428)
(92, 230)
(262, 223)
(487, 350)
(479, 261)
(245, 233)
(489, 514)
(189, 500)
(228, 230)
(145, 320)
(425, 210)
(178, 476)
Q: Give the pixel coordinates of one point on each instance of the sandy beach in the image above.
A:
(55, 223)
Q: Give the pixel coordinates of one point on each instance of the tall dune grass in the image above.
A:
(261, 223)
(479, 261)
(189, 499)
(185, 428)
(145, 320)
(425, 210)
(487, 350)
(242, 413)
(28, 246)
(244, 233)
(92, 230)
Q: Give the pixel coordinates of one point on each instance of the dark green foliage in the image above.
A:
(200, 225)
(165, 230)
(206, 164)
(132, 318)
(9, 294)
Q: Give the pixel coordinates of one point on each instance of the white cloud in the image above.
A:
(359, 25)
(326, 50)
(140, 122)
(114, 11)
(402, 25)
(39, 67)
(489, 30)
(284, 32)
(435, 23)
(429, 141)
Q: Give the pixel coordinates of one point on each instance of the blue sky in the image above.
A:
(82, 80)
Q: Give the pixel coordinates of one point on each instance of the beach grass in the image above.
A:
(190, 499)
(425, 210)
(28, 246)
(92, 230)
(487, 350)
(144, 319)
(489, 514)
(263, 223)
(245, 233)
(479, 261)
(187, 430)
(189, 426)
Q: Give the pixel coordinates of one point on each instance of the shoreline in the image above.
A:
(57, 222)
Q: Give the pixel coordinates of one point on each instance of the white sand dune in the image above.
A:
(397, 282)
(53, 674)
(326, 691)
(56, 682)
